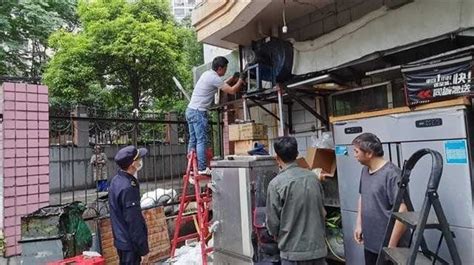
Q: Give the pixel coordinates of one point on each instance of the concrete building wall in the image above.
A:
(211, 51)
(70, 167)
(379, 30)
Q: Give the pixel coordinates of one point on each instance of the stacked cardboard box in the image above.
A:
(245, 136)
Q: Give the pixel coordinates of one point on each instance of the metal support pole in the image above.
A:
(281, 131)
(246, 112)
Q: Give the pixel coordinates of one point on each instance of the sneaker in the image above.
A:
(206, 171)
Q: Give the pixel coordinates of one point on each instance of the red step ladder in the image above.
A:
(203, 200)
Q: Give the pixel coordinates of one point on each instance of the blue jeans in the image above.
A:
(198, 127)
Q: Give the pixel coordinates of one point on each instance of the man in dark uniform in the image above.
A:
(128, 225)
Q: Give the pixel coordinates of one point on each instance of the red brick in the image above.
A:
(20, 105)
(9, 163)
(9, 115)
(43, 188)
(9, 172)
(32, 134)
(9, 124)
(9, 221)
(44, 178)
(20, 115)
(32, 116)
(44, 142)
(20, 87)
(20, 143)
(20, 97)
(44, 107)
(10, 251)
(43, 133)
(10, 133)
(20, 134)
(33, 180)
(9, 153)
(43, 116)
(42, 90)
(43, 125)
(33, 170)
(43, 169)
(33, 152)
(20, 125)
(11, 239)
(20, 171)
(9, 202)
(9, 95)
(32, 97)
(43, 160)
(43, 151)
(21, 190)
(9, 182)
(33, 189)
(9, 192)
(33, 142)
(21, 181)
(20, 152)
(9, 105)
(33, 161)
(34, 198)
(9, 211)
(44, 197)
(32, 207)
(32, 89)
(21, 210)
(9, 86)
(21, 200)
(43, 98)
(21, 162)
(32, 106)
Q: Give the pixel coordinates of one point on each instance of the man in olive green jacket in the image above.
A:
(295, 211)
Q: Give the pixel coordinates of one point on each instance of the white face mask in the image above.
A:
(140, 165)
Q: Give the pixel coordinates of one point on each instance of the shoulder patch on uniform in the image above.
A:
(133, 183)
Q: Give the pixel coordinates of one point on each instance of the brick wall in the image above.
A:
(158, 238)
(24, 151)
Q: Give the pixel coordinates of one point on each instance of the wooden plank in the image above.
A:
(440, 104)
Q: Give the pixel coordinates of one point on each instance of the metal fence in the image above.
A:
(74, 134)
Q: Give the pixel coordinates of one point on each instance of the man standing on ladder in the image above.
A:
(378, 189)
(206, 87)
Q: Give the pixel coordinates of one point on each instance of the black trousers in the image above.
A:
(128, 257)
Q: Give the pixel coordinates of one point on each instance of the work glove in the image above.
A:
(243, 75)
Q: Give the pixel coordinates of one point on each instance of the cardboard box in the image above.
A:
(321, 158)
(243, 146)
(234, 132)
(301, 161)
(253, 131)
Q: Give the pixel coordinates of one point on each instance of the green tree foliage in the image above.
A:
(25, 27)
(124, 55)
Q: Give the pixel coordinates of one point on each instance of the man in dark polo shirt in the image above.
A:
(295, 211)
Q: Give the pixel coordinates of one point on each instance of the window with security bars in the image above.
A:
(362, 100)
